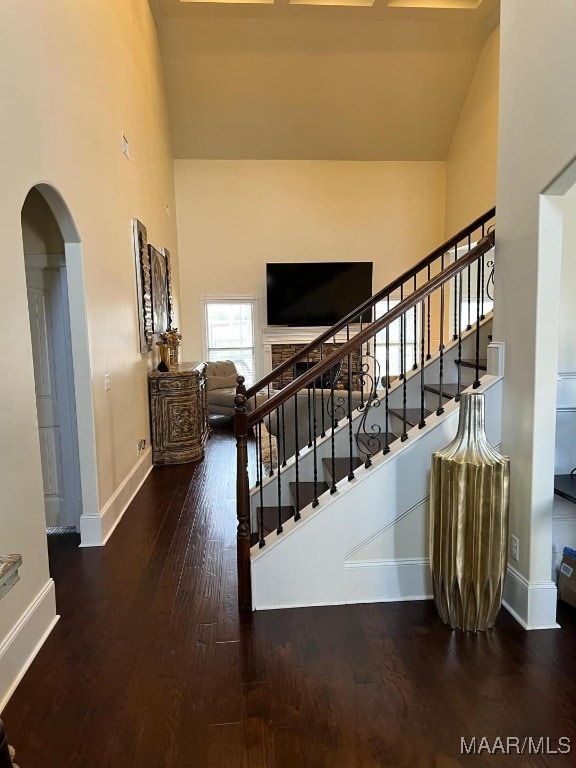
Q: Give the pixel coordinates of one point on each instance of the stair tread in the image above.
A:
(413, 415)
(482, 364)
(341, 466)
(270, 519)
(306, 492)
(448, 390)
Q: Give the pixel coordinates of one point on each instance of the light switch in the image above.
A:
(106, 381)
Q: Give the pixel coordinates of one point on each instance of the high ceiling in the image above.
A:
(295, 81)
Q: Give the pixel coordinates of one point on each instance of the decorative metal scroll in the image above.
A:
(143, 284)
(336, 407)
(490, 281)
(369, 436)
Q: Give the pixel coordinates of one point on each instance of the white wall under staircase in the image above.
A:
(369, 541)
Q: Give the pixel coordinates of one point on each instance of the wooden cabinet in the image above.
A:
(178, 413)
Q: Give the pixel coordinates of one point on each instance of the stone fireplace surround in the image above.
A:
(280, 343)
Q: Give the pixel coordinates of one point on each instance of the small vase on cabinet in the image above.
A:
(164, 364)
(469, 499)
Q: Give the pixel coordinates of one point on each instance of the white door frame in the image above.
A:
(81, 360)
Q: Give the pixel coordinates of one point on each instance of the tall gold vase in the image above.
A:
(469, 499)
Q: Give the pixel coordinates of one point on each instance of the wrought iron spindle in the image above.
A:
(481, 298)
(279, 529)
(440, 408)
(333, 437)
(456, 298)
(459, 366)
(309, 417)
(283, 438)
(477, 351)
(271, 469)
(422, 353)
(428, 353)
(322, 378)
(402, 318)
(259, 471)
(360, 368)
(297, 459)
(387, 385)
(415, 365)
(350, 437)
(402, 337)
(315, 456)
(469, 288)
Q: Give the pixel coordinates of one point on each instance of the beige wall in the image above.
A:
(73, 76)
(471, 161)
(234, 216)
(536, 142)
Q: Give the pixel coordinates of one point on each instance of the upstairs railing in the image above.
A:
(350, 370)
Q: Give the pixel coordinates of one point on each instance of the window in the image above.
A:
(396, 333)
(229, 333)
(465, 289)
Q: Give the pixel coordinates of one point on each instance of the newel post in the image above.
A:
(242, 497)
(5, 759)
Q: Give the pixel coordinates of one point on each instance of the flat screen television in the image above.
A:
(316, 293)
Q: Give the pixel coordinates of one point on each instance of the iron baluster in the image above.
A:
(428, 353)
(315, 456)
(260, 522)
(283, 438)
(455, 334)
(297, 459)
(387, 385)
(279, 529)
(404, 435)
(459, 387)
(422, 353)
(350, 437)
(333, 438)
(415, 365)
(477, 360)
(440, 408)
(469, 288)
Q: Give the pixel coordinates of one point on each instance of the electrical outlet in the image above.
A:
(514, 548)
(141, 445)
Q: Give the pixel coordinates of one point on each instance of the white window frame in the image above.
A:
(235, 299)
(394, 301)
(489, 256)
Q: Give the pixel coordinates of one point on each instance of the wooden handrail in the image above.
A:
(369, 303)
(482, 247)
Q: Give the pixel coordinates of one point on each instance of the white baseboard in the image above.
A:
(373, 581)
(19, 649)
(533, 605)
(95, 530)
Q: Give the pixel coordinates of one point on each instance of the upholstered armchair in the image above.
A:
(221, 387)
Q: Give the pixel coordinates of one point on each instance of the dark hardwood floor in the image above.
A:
(151, 665)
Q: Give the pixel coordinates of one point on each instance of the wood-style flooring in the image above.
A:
(150, 664)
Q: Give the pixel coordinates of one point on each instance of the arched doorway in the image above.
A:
(56, 304)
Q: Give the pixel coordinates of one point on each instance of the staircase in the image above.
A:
(310, 513)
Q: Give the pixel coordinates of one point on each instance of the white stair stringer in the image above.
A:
(368, 542)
